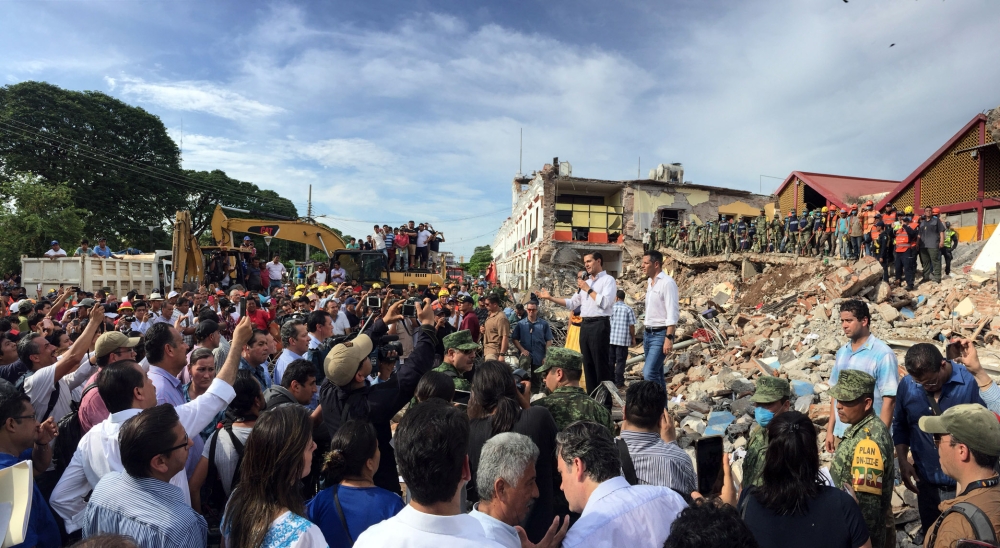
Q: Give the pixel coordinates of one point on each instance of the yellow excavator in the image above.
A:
(189, 258)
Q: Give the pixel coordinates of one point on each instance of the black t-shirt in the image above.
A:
(833, 520)
(537, 424)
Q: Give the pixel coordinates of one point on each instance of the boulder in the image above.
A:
(888, 312)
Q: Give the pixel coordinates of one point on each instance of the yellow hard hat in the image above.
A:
(908, 210)
(444, 293)
(825, 210)
(300, 287)
(376, 285)
(297, 294)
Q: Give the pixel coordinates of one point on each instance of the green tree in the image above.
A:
(36, 213)
(481, 258)
(118, 159)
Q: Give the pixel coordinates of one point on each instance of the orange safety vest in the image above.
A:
(868, 218)
(915, 225)
(902, 240)
(831, 221)
(889, 218)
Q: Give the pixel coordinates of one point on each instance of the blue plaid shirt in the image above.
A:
(874, 358)
(621, 317)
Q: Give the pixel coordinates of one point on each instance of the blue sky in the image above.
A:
(411, 110)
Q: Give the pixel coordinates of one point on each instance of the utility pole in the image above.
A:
(638, 170)
(309, 214)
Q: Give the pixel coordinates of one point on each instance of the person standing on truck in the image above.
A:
(55, 250)
(275, 271)
(104, 251)
(85, 250)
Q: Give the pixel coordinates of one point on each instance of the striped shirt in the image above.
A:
(154, 513)
(622, 316)
(875, 358)
(660, 463)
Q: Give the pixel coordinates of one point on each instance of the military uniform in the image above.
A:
(805, 234)
(741, 235)
(568, 404)
(661, 236)
(769, 390)
(777, 230)
(792, 233)
(870, 469)
(761, 223)
(459, 340)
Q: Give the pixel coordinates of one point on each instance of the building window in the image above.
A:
(588, 218)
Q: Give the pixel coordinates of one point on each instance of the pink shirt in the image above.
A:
(92, 408)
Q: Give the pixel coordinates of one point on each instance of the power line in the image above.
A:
(382, 221)
(155, 172)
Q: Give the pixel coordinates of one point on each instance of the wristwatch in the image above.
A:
(671, 336)
(589, 291)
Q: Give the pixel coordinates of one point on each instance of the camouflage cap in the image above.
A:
(460, 340)
(853, 385)
(563, 358)
(771, 389)
(970, 423)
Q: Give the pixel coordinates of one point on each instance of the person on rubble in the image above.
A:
(792, 231)
(882, 247)
(776, 233)
(771, 398)
(855, 232)
(805, 233)
(761, 226)
(752, 236)
(596, 298)
(841, 234)
(950, 243)
(931, 241)
(867, 222)
(662, 313)
(645, 240)
(741, 234)
(724, 226)
(904, 237)
(713, 238)
(863, 459)
(863, 352)
(661, 234)
(819, 231)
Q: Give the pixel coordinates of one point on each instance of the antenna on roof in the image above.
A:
(520, 156)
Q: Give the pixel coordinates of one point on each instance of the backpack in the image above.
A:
(53, 396)
(70, 432)
(214, 496)
(981, 524)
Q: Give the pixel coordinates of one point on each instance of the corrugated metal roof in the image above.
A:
(845, 190)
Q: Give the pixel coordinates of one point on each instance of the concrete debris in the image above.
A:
(782, 318)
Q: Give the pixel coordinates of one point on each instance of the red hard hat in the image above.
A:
(853, 207)
(935, 211)
(869, 202)
(789, 213)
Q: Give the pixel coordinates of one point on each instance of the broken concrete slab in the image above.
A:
(718, 421)
(965, 308)
(888, 312)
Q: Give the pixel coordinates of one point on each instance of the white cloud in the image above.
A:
(194, 96)
(351, 153)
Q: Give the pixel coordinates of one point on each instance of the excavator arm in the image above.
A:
(283, 228)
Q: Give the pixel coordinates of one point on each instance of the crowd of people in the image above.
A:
(269, 419)
(895, 238)
(406, 247)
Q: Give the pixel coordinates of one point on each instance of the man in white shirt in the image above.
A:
(378, 239)
(432, 443)
(126, 390)
(295, 340)
(142, 320)
(662, 312)
(275, 270)
(613, 513)
(506, 485)
(50, 382)
(55, 251)
(596, 299)
(320, 327)
(423, 236)
(341, 325)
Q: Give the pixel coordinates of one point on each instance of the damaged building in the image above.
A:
(556, 218)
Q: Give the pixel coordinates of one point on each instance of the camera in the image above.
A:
(129, 318)
(520, 376)
(373, 302)
(387, 345)
(409, 308)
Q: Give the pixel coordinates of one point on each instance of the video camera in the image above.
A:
(520, 376)
(387, 345)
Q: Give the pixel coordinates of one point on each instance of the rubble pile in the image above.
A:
(785, 321)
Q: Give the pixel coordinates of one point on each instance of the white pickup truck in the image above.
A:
(144, 273)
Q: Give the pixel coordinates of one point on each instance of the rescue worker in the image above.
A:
(725, 225)
(805, 233)
(761, 223)
(867, 223)
(904, 235)
(819, 230)
(741, 234)
(841, 234)
(713, 237)
(950, 243)
(864, 458)
(777, 233)
(882, 247)
(856, 233)
(771, 398)
(822, 232)
(792, 233)
(752, 235)
(661, 235)
(914, 222)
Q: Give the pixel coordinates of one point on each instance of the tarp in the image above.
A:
(990, 255)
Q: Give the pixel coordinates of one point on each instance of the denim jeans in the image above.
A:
(856, 247)
(652, 345)
(617, 356)
(402, 262)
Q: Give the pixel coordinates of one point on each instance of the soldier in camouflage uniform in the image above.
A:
(761, 223)
(713, 238)
(870, 475)
(661, 235)
(567, 402)
(777, 232)
(459, 352)
(771, 399)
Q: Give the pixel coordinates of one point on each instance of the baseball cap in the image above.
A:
(113, 340)
(460, 340)
(245, 238)
(343, 361)
(88, 302)
(771, 389)
(351, 300)
(172, 294)
(205, 328)
(563, 358)
(971, 423)
(853, 385)
(54, 242)
(468, 299)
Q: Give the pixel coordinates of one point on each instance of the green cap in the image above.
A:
(971, 423)
(853, 385)
(460, 340)
(771, 389)
(563, 358)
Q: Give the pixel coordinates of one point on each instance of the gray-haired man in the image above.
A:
(506, 484)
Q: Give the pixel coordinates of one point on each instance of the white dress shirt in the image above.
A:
(496, 529)
(341, 325)
(662, 308)
(619, 514)
(411, 528)
(286, 357)
(98, 452)
(605, 287)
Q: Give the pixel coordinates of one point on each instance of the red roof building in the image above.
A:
(814, 190)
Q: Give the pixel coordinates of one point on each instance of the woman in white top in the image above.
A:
(266, 510)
